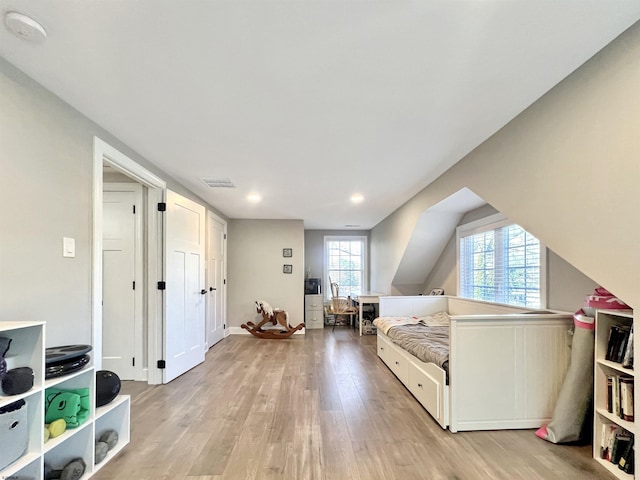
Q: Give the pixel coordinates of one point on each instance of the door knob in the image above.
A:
(211, 289)
(203, 291)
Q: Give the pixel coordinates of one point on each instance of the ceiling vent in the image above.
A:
(218, 182)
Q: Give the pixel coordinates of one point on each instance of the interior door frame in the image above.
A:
(156, 192)
(139, 293)
(211, 216)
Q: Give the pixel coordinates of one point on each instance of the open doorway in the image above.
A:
(123, 287)
(147, 343)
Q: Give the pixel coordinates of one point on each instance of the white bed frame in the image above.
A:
(506, 364)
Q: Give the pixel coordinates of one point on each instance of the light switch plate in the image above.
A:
(68, 247)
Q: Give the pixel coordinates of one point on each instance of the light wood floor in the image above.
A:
(318, 406)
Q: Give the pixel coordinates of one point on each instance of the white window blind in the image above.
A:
(501, 262)
(345, 264)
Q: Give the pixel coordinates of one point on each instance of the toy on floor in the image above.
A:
(274, 315)
(105, 443)
(71, 471)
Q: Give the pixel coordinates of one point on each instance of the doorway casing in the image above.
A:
(104, 153)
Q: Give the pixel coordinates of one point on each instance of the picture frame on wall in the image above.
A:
(287, 252)
(287, 269)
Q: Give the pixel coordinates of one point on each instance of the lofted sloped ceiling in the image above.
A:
(308, 102)
(432, 232)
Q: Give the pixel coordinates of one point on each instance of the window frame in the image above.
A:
(493, 222)
(365, 260)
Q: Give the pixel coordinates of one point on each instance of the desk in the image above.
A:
(366, 297)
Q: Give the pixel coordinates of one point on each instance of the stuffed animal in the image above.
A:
(70, 405)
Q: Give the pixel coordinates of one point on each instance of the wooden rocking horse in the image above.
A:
(274, 315)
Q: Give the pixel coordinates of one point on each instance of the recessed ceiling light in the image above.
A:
(25, 27)
(254, 197)
(357, 198)
(350, 225)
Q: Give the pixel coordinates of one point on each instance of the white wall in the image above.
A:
(46, 158)
(255, 268)
(566, 169)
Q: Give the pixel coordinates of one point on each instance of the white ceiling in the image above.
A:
(308, 101)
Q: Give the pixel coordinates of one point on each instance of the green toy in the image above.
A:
(70, 405)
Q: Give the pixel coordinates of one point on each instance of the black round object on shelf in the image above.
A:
(17, 380)
(107, 387)
(64, 367)
(55, 355)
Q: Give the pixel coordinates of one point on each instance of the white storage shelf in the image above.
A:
(605, 319)
(313, 311)
(27, 349)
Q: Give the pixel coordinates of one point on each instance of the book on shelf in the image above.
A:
(620, 345)
(620, 443)
(616, 445)
(627, 359)
(626, 462)
(626, 398)
(609, 431)
(619, 398)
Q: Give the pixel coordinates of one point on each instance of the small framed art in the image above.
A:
(287, 268)
(287, 252)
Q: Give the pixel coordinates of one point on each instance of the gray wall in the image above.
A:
(255, 268)
(566, 170)
(566, 286)
(314, 251)
(46, 161)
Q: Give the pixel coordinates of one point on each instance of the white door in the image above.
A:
(121, 285)
(215, 279)
(184, 329)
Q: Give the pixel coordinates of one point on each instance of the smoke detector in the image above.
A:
(25, 27)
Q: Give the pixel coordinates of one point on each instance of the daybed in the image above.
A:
(506, 364)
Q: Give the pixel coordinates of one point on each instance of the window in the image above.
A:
(345, 264)
(501, 262)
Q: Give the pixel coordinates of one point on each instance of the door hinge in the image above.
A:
(162, 364)
(133, 361)
(162, 207)
(225, 236)
(224, 326)
(224, 282)
(162, 285)
(134, 209)
(134, 285)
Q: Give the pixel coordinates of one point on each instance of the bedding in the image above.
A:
(426, 338)
(437, 319)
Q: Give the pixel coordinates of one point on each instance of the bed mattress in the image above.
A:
(425, 337)
(428, 343)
